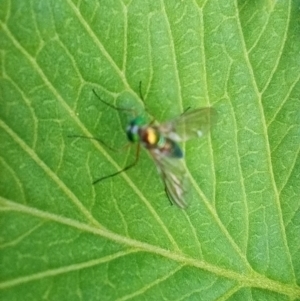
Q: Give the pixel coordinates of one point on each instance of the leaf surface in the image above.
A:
(63, 238)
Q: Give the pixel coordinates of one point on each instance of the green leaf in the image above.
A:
(63, 238)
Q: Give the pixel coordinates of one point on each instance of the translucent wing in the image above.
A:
(191, 124)
(174, 176)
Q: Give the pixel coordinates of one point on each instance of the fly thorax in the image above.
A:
(149, 136)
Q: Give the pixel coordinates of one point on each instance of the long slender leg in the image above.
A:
(98, 139)
(188, 108)
(112, 106)
(137, 155)
(93, 138)
(108, 104)
(140, 90)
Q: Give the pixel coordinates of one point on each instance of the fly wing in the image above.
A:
(174, 176)
(191, 124)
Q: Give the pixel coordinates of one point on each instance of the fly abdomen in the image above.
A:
(168, 147)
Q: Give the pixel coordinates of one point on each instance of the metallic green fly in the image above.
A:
(162, 142)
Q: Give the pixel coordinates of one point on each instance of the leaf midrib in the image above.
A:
(252, 279)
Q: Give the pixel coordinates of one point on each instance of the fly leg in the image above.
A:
(137, 155)
(112, 106)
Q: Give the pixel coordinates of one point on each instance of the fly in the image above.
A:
(162, 142)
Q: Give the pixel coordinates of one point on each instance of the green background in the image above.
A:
(63, 238)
